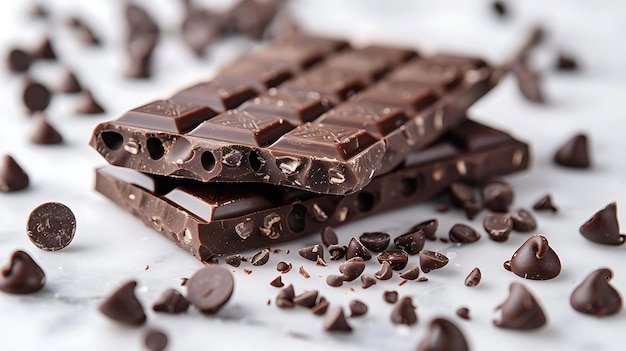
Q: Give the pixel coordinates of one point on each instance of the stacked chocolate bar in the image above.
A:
(304, 133)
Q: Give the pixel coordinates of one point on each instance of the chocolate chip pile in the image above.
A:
(398, 265)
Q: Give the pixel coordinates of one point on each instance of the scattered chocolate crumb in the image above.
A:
(463, 312)
(356, 249)
(269, 302)
(320, 308)
(21, 275)
(404, 312)
(352, 268)
(277, 282)
(357, 308)
(574, 153)
(367, 281)
(500, 9)
(335, 321)
(595, 295)
(520, 310)
(535, 260)
(413, 241)
(474, 277)
(390, 296)
(545, 203)
(183, 281)
(12, 176)
(566, 62)
(276, 251)
(523, 221)
(123, 306)
(404, 281)
(18, 60)
(307, 299)
(36, 96)
(283, 267)
(461, 233)
(233, 260)
(335, 280)
(88, 105)
(411, 273)
(287, 252)
(320, 262)
(155, 340)
(247, 271)
(171, 301)
(43, 132)
(303, 272)
(285, 296)
(375, 241)
(422, 279)
(260, 258)
(146, 267)
(498, 226)
(312, 253)
(329, 237)
(443, 335)
(385, 272)
(603, 227)
(430, 260)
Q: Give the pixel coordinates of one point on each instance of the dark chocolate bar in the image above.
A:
(303, 112)
(212, 219)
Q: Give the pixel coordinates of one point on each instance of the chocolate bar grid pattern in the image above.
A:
(310, 113)
(209, 219)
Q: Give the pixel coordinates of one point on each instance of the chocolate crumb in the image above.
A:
(277, 282)
(283, 267)
(473, 278)
(535, 260)
(22, 275)
(357, 308)
(443, 335)
(233, 260)
(603, 227)
(463, 312)
(574, 153)
(385, 272)
(390, 296)
(520, 310)
(183, 281)
(307, 299)
(404, 312)
(566, 62)
(260, 258)
(430, 260)
(123, 306)
(404, 281)
(335, 321)
(595, 295)
(500, 9)
(12, 176)
(247, 271)
(171, 301)
(335, 280)
(523, 221)
(367, 281)
(320, 262)
(303, 272)
(422, 279)
(146, 267)
(411, 273)
(545, 203)
(155, 340)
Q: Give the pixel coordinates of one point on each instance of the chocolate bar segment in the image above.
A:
(307, 120)
(212, 219)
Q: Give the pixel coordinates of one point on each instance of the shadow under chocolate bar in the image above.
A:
(213, 219)
(303, 112)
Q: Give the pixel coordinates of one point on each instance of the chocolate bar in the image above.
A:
(304, 112)
(212, 219)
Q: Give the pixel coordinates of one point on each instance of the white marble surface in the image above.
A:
(112, 247)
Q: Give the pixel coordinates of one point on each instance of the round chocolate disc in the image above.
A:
(210, 288)
(51, 226)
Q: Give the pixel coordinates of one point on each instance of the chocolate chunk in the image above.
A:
(566, 62)
(285, 296)
(498, 226)
(335, 321)
(210, 288)
(356, 249)
(22, 275)
(123, 306)
(474, 277)
(443, 335)
(367, 281)
(412, 242)
(36, 96)
(307, 299)
(51, 226)
(88, 105)
(320, 308)
(283, 267)
(312, 253)
(337, 252)
(200, 28)
(535, 260)
(461, 233)
(411, 273)
(329, 237)
(529, 83)
(498, 196)
(260, 258)
(430, 260)
(18, 60)
(171, 301)
(523, 221)
(277, 282)
(12, 176)
(429, 227)
(603, 227)
(500, 8)
(397, 259)
(461, 193)
(520, 310)
(352, 268)
(233, 260)
(384, 272)
(44, 51)
(390, 296)
(404, 312)
(357, 308)
(69, 83)
(43, 132)
(596, 296)
(463, 312)
(375, 241)
(335, 280)
(155, 340)
(574, 153)
(545, 203)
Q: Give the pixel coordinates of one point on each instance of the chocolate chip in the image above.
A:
(397, 259)
(12, 176)
(357, 308)
(18, 60)
(596, 296)
(411, 242)
(39, 11)
(36, 96)
(123, 306)
(320, 308)
(375, 241)
(384, 272)
(429, 227)
(463, 312)
(335, 280)
(233, 260)
(210, 288)
(404, 312)
(22, 275)
(520, 310)
(498, 226)
(500, 8)
(171, 301)
(337, 252)
(566, 62)
(498, 195)
(312, 253)
(51, 226)
(155, 340)
(523, 221)
(306, 299)
(461, 233)
(545, 203)
(200, 28)
(277, 282)
(574, 153)
(282, 24)
(87, 105)
(603, 227)
(461, 193)
(285, 296)
(430, 260)
(529, 83)
(69, 83)
(472, 209)
(367, 281)
(329, 237)
(474, 277)
(356, 249)
(390, 296)
(335, 321)
(411, 273)
(352, 268)
(535, 260)
(44, 51)
(283, 267)
(260, 258)
(43, 132)
(443, 335)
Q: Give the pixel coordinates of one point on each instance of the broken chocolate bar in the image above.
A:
(212, 219)
(303, 112)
